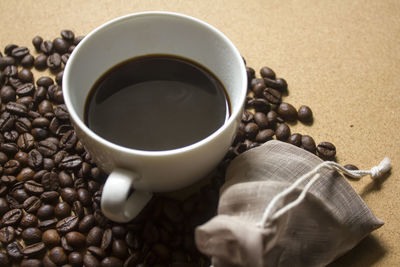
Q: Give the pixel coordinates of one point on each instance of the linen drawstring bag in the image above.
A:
(283, 206)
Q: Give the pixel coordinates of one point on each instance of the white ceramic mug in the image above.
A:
(152, 171)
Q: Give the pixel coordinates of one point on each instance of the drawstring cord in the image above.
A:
(269, 215)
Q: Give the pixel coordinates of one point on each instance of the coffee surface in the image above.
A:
(156, 102)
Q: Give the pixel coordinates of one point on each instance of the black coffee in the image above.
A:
(156, 102)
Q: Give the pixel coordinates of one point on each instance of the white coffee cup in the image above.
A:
(152, 171)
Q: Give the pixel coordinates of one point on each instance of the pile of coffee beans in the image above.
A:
(50, 189)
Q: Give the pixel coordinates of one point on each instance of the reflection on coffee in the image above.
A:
(156, 102)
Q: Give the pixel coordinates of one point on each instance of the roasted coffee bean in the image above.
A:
(11, 217)
(350, 167)
(40, 62)
(84, 196)
(65, 57)
(6, 61)
(60, 75)
(67, 224)
(26, 141)
(14, 82)
(75, 239)
(275, 84)
(62, 210)
(10, 136)
(251, 130)
(70, 162)
(133, 241)
(106, 240)
(19, 194)
(47, 262)
(25, 100)
(22, 157)
(26, 89)
(16, 108)
(305, 114)
(78, 209)
(4, 206)
(282, 132)
(34, 249)
(120, 249)
(14, 250)
(31, 235)
(49, 196)
(264, 135)
(86, 223)
(31, 263)
(45, 212)
(96, 251)
(7, 234)
(40, 122)
(33, 187)
(61, 112)
(326, 150)
(28, 220)
(47, 224)
(272, 95)
(39, 133)
(247, 116)
(308, 143)
(282, 84)
(65, 245)
(58, 256)
(37, 41)
(80, 182)
(95, 236)
(44, 81)
(27, 61)
(111, 262)
(258, 89)
(48, 164)
(8, 180)
(71, 48)
(45, 107)
(7, 94)
(78, 39)
(287, 111)
(50, 181)
(54, 62)
(260, 104)
(60, 45)
(69, 194)
(65, 179)
(51, 238)
(9, 48)
(261, 120)
(19, 52)
(10, 71)
(295, 139)
(23, 125)
(25, 75)
(3, 158)
(68, 140)
(68, 35)
(90, 261)
(47, 148)
(32, 204)
(76, 259)
(11, 167)
(266, 72)
(35, 159)
(46, 47)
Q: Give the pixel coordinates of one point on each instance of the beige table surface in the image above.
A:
(342, 58)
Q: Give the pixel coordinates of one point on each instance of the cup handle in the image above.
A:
(115, 203)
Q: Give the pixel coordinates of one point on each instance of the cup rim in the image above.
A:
(76, 119)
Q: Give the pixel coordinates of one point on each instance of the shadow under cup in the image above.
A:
(145, 34)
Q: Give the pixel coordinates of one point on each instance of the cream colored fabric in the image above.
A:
(331, 220)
